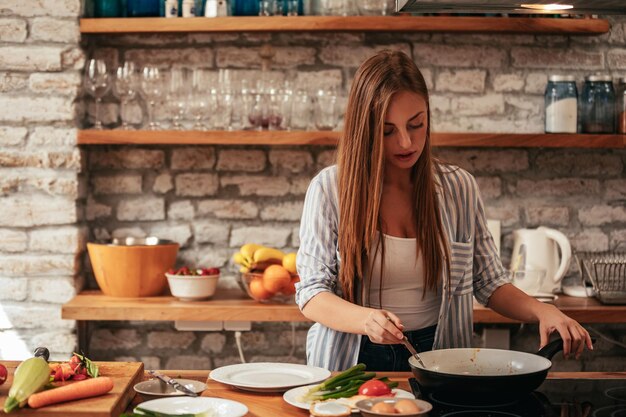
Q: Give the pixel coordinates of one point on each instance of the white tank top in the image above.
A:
(403, 284)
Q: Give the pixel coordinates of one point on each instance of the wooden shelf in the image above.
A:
(298, 138)
(234, 305)
(346, 23)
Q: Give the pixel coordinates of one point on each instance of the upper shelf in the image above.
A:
(299, 138)
(346, 23)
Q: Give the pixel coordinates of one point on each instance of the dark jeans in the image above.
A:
(395, 357)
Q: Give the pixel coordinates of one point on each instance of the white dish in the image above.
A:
(293, 396)
(578, 291)
(217, 407)
(158, 388)
(268, 376)
(192, 287)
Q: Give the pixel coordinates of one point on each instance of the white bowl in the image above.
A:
(365, 407)
(192, 287)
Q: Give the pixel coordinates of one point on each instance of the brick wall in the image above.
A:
(41, 229)
(213, 199)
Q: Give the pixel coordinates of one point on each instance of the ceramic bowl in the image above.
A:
(365, 407)
(192, 287)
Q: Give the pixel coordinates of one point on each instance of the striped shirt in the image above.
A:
(476, 268)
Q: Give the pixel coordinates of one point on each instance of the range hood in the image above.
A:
(602, 7)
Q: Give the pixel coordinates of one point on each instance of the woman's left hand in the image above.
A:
(574, 336)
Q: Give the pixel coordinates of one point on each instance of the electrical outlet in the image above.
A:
(199, 326)
(242, 326)
(496, 338)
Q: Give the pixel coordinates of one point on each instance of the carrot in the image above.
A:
(82, 389)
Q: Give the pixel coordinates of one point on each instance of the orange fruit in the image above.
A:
(258, 291)
(291, 287)
(275, 278)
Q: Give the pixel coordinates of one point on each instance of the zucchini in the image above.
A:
(30, 377)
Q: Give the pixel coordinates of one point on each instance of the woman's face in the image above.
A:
(404, 133)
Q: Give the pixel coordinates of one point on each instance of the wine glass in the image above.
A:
(200, 100)
(97, 84)
(125, 88)
(152, 84)
(178, 95)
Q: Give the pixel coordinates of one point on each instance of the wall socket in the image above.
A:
(212, 326)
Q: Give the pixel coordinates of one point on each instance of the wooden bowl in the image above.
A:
(132, 270)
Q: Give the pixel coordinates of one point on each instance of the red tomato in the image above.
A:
(374, 388)
(3, 374)
(74, 362)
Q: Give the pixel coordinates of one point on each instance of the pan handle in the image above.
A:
(552, 348)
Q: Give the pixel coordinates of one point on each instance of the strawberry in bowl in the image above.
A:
(191, 284)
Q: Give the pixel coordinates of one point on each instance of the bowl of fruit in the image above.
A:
(190, 284)
(267, 274)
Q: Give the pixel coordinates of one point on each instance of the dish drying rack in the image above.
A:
(607, 273)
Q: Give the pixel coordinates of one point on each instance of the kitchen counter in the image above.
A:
(234, 305)
(272, 404)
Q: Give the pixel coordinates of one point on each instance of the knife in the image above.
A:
(171, 381)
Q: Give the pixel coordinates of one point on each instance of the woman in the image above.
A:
(393, 241)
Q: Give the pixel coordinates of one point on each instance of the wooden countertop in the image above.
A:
(234, 305)
(272, 404)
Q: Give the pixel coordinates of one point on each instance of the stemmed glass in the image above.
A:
(200, 106)
(125, 88)
(97, 84)
(152, 83)
(178, 95)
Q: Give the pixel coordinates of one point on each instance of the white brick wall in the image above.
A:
(212, 199)
(478, 83)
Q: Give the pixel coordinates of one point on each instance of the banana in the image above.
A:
(248, 249)
(244, 270)
(262, 265)
(239, 259)
(265, 254)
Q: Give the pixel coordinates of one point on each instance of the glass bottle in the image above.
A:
(561, 98)
(107, 8)
(598, 105)
(245, 7)
(143, 8)
(620, 110)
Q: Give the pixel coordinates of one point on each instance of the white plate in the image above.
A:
(159, 388)
(217, 407)
(293, 396)
(268, 376)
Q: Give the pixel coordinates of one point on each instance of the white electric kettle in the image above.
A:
(538, 249)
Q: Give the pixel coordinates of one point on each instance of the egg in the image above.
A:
(383, 407)
(406, 407)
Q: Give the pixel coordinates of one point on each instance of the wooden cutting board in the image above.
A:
(124, 374)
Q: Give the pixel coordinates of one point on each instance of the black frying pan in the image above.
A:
(478, 372)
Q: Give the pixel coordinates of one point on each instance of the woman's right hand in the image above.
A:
(383, 327)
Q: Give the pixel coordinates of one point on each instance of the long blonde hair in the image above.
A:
(360, 161)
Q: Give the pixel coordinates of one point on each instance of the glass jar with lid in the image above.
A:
(620, 110)
(598, 105)
(561, 104)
